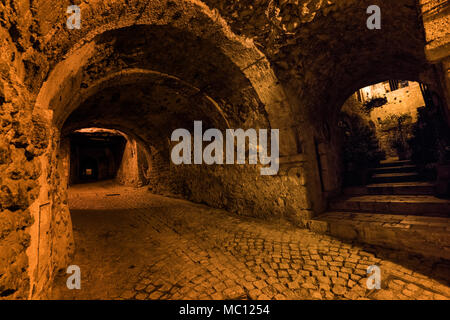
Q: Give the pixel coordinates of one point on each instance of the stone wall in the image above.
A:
(401, 101)
(133, 167)
(242, 190)
(24, 138)
(436, 19)
(231, 64)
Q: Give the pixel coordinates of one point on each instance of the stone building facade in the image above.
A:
(404, 100)
(398, 99)
(288, 65)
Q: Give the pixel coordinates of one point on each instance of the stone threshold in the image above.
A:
(427, 236)
(393, 188)
(426, 205)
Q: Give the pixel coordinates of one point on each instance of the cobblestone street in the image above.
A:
(131, 244)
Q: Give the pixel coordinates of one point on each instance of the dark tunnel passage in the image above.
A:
(95, 155)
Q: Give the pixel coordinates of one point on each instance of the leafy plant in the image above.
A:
(373, 103)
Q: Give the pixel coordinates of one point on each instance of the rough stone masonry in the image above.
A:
(147, 67)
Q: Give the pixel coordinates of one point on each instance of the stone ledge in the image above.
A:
(437, 51)
(427, 236)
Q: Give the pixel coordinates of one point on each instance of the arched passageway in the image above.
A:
(125, 78)
(383, 167)
(98, 154)
(146, 68)
(382, 121)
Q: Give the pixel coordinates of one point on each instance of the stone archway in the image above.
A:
(335, 54)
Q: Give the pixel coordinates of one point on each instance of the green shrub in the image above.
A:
(399, 130)
(361, 148)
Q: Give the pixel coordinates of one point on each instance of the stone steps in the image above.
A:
(395, 169)
(428, 236)
(392, 188)
(396, 210)
(426, 205)
(395, 177)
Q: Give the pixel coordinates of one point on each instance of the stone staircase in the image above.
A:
(395, 210)
(395, 171)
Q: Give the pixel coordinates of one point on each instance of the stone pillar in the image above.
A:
(436, 21)
(128, 173)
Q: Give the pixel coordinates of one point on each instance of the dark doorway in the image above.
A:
(95, 155)
(88, 169)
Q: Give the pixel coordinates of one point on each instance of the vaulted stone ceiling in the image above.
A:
(228, 62)
(182, 77)
(323, 50)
